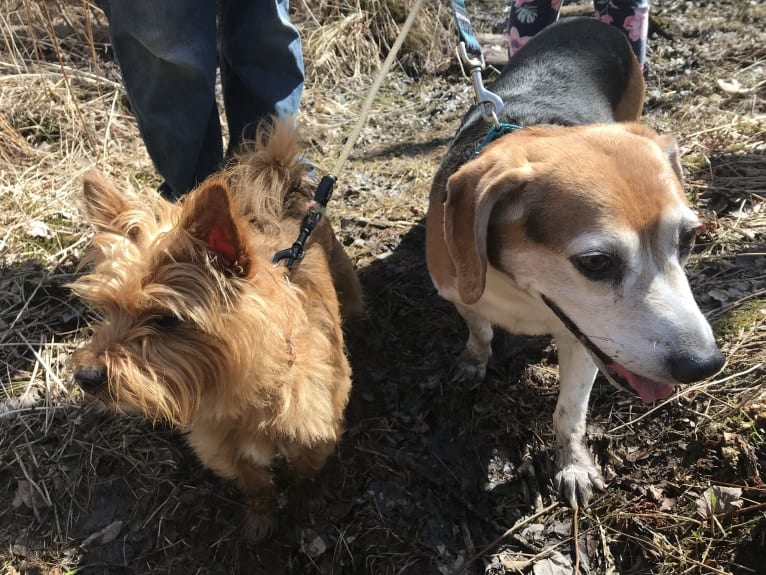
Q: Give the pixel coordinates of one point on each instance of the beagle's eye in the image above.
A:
(597, 266)
(686, 242)
(164, 322)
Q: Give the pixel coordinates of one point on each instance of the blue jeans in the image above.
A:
(168, 52)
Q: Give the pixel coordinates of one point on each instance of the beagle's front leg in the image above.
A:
(576, 474)
(472, 364)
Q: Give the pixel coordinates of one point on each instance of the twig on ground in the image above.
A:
(576, 537)
(728, 307)
(516, 526)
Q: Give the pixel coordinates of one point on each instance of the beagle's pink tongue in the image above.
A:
(648, 390)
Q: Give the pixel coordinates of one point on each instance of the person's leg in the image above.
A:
(261, 64)
(527, 18)
(167, 54)
(630, 16)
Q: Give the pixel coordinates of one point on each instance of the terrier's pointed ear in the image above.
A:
(208, 215)
(103, 202)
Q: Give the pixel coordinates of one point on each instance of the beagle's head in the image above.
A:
(593, 220)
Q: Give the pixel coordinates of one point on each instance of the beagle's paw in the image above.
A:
(468, 369)
(576, 476)
(471, 366)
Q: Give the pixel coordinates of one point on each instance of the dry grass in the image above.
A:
(349, 38)
(90, 492)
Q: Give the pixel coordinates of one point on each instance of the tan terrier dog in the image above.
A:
(199, 328)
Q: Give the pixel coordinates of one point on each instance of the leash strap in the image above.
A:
(324, 189)
(465, 30)
(296, 252)
(469, 51)
(490, 104)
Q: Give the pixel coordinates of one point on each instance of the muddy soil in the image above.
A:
(430, 470)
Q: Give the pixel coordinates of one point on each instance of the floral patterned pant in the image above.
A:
(528, 17)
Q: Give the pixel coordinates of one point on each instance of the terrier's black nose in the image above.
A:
(90, 378)
(691, 366)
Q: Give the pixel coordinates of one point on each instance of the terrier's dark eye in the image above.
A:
(164, 322)
(686, 240)
(598, 266)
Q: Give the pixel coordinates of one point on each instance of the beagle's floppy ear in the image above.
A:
(666, 142)
(472, 193)
(670, 147)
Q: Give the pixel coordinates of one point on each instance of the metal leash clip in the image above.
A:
(490, 104)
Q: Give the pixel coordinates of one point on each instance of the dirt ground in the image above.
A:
(430, 473)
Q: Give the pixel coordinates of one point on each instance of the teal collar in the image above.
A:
(497, 131)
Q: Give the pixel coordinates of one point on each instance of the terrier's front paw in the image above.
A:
(576, 477)
(259, 526)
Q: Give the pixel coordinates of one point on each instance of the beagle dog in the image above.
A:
(574, 225)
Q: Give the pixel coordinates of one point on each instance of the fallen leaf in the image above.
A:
(105, 535)
(561, 529)
(38, 229)
(312, 543)
(23, 495)
(668, 503)
(720, 296)
(555, 564)
(719, 499)
(513, 561)
(534, 534)
(29, 496)
(733, 86)
(453, 567)
(654, 492)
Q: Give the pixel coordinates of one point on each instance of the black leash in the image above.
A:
(297, 251)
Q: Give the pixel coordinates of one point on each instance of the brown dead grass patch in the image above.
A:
(428, 473)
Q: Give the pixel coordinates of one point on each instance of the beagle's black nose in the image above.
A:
(690, 366)
(90, 378)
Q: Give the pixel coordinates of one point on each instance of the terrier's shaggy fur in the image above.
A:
(200, 329)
